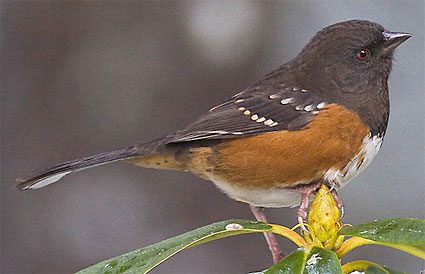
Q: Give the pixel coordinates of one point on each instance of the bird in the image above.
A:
(318, 119)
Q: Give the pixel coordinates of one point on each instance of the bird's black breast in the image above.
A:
(371, 105)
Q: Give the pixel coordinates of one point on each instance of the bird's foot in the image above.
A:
(306, 191)
(339, 203)
(302, 212)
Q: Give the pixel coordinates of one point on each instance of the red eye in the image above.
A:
(363, 55)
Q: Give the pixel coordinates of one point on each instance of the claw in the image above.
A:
(302, 214)
(339, 203)
(301, 223)
(342, 212)
(332, 186)
(305, 191)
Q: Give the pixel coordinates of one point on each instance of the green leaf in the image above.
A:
(367, 267)
(291, 264)
(406, 234)
(317, 261)
(322, 261)
(354, 242)
(381, 270)
(407, 231)
(144, 259)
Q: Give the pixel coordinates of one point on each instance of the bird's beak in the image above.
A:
(394, 39)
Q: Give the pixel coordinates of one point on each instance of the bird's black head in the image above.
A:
(349, 56)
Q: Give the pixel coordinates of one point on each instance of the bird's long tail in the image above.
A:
(149, 155)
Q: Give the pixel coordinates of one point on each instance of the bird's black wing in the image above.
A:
(254, 111)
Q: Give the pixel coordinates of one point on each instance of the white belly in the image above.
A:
(284, 197)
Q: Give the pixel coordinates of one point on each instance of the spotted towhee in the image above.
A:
(319, 118)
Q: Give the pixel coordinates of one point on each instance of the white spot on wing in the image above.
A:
(247, 112)
(262, 119)
(218, 132)
(254, 117)
(321, 105)
(309, 108)
(221, 132)
(268, 122)
(236, 95)
(49, 180)
(287, 101)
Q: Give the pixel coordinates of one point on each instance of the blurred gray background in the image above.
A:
(81, 77)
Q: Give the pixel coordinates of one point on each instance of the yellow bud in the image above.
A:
(323, 218)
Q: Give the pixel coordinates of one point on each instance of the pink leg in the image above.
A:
(305, 191)
(337, 199)
(260, 215)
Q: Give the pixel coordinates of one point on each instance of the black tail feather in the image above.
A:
(55, 173)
